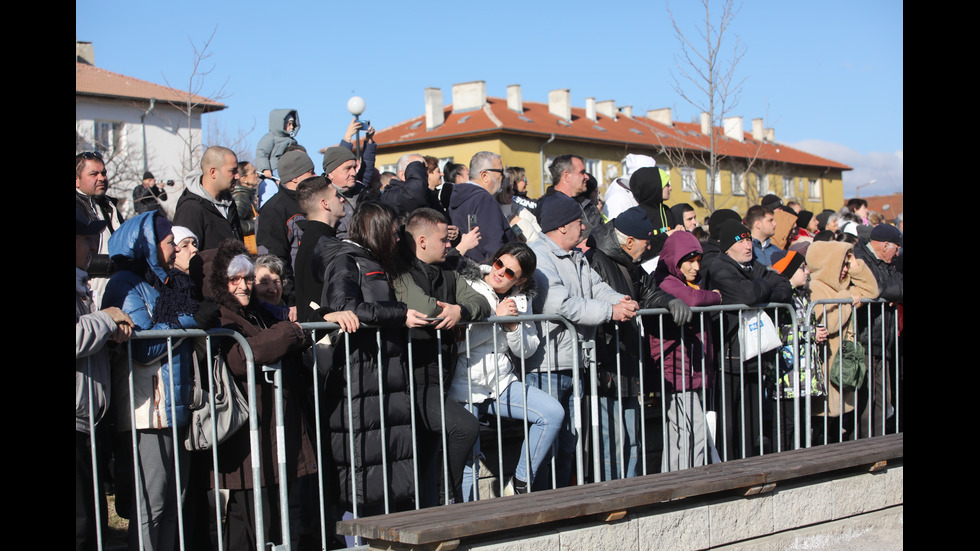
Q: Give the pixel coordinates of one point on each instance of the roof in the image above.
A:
(496, 118)
(895, 203)
(97, 82)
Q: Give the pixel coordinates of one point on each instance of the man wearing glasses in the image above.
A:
(472, 205)
(90, 198)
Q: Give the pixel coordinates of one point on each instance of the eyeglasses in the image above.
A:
(508, 273)
(497, 170)
(89, 155)
(249, 280)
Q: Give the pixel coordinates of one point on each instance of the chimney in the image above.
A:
(469, 96)
(606, 108)
(757, 132)
(770, 135)
(590, 110)
(560, 104)
(627, 110)
(434, 116)
(705, 124)
(514, 102)
(85, 53)
(663, 116)
(734, 129)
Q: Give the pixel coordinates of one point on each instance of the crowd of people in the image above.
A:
(260, 247)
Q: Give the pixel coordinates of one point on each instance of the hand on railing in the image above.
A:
(451, 314)
(346, 319)
(507, 307)
(124, 324)
(414, 318)
(625, 309)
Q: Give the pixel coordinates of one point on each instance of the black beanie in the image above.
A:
(732, 232)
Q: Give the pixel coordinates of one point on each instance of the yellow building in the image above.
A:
(530, 135)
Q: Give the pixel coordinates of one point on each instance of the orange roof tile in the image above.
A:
(495, 117)
(94, 81)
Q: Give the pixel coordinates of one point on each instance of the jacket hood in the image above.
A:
(192, 182)
(825, 259)
(465, 192)
(605, 241)
(647, 185)
(677, 246)
(136, 240)
(277, 122)
(216, 266)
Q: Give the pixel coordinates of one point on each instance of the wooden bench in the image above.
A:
(611, 500)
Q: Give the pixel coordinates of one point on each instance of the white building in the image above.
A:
(137, 126)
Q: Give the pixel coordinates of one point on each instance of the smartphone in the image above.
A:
(470, 222)
(433, 319)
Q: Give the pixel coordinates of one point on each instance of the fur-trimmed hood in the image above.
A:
(215, 269)
(471, 271)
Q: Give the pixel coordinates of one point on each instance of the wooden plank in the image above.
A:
(445, 524)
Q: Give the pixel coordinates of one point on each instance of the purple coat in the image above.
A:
(683, 359)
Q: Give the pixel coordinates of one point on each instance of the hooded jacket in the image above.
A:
(133, 289)
(92, 331)
(648, 189)
(619, 196)
(689, 352)
(211, 220)
(354, 280)
(469, 198)
(274, 144)
(825, 259)
(270, 341)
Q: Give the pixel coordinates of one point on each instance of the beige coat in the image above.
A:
(825, 259)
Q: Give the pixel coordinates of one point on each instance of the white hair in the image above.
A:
(240, 265)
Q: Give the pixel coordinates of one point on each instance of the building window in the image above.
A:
(763, 181)
(787, 187)
(738, 183)
(717, 183)
(814, 189)
(109, 136)
(388, 168)
(594, 167)
(547, 170)
(688, 179)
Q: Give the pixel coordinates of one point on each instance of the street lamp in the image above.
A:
(858, 191)
(355, 106)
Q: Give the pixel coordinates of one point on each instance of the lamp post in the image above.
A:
(858, 190)
(355, 106)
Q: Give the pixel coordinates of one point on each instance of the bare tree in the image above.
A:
(706, 79)
(218, 135)
(195, 97)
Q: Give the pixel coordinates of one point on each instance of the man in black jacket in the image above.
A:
(323, 206)
(206, 206)
(879, 253)
(619, 246)
(741, 280)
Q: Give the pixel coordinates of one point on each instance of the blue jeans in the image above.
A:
(559, 385)
(543, 412)
(614, 438)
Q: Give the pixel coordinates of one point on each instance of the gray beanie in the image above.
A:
(336, 156)
(292, 164)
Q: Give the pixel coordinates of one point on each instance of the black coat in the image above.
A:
(617, 269)
(355, 280)
(201, 217)
(891, 284)
(739, 286)
(312, 258)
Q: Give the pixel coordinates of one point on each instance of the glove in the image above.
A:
(680, 312)
(207, 314)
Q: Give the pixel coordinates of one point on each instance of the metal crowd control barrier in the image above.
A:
(650, 323)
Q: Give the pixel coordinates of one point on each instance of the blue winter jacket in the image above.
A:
(130, 292)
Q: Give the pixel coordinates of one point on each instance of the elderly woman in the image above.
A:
(230, 280)
(268, 287)
(153, 294)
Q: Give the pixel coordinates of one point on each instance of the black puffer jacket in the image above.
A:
(354, 280)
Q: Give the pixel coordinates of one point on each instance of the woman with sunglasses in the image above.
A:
(484, 376)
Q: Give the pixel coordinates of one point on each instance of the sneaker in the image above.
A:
(515, 487)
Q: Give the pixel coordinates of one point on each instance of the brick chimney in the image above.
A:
(560, 104)
(663, 116)
(469, 96)
(734, 128)
(434, 116)
(514, 102)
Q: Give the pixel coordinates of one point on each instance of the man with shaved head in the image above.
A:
(206, 207)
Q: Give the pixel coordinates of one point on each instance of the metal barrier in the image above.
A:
(787, 418)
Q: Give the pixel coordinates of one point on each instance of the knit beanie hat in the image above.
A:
(786, 262)
(887, 232)
(293, 164)
(336, 156)
(717, 219)
(557, 210)
(803, 219)
(732, 232)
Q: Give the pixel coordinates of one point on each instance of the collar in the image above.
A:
(81, 283)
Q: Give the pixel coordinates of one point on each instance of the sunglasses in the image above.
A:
(89, 155)
(508, 273)
(249, 280)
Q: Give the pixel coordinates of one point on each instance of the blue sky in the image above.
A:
(827, 76)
